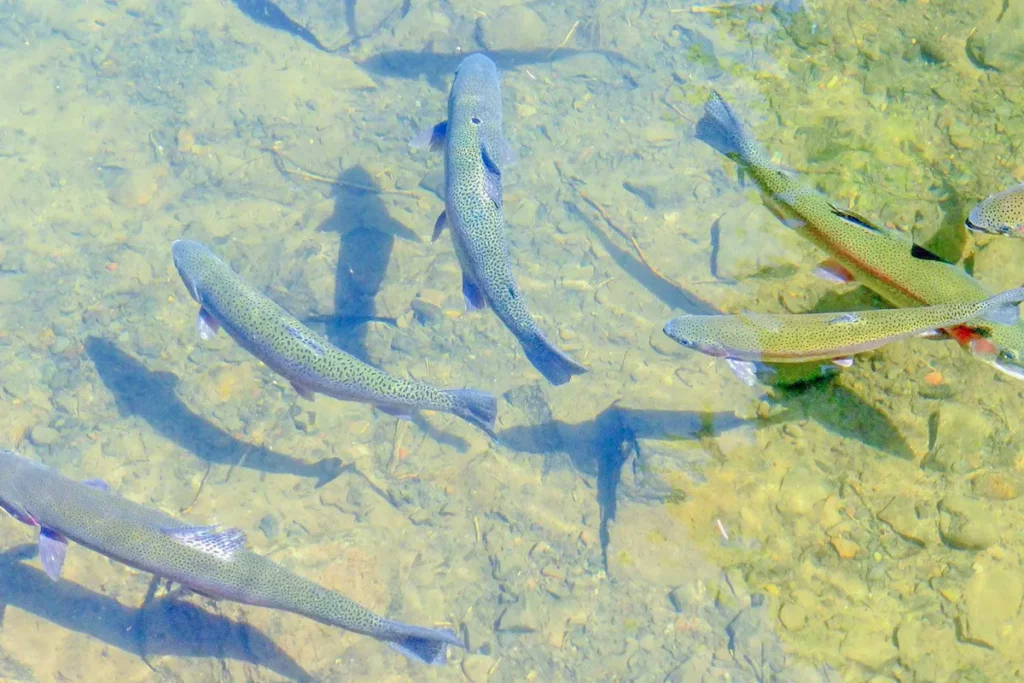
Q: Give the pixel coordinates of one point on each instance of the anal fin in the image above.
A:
(401, 412)
(303, 391)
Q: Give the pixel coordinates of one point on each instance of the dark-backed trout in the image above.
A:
(886, 261)
(1000, 214)
(209, 560)
(306, 359)
(475, 156)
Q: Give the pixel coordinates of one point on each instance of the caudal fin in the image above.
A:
(1004, 308)
(476, 407)
(426, 645)
(550, 361)
(720, 128)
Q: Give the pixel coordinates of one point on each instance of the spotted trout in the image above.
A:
(309, 361)
(475, 155)
(1000, 214)
(805, 337)
(209, 560)
(886, 261)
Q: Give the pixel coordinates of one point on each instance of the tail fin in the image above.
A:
(550, 361)
(476, 407)
(720, 128)
(1003, 309)
(426, 645)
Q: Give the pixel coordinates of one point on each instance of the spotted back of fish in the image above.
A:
(210, 560)
(286, 345)
(1000, 214)
(475, 155)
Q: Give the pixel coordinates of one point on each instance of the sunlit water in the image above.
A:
(652, 520)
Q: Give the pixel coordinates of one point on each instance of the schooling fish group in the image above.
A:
(931, 297)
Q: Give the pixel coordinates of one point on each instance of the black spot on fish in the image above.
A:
(512, 292)
(475, 120)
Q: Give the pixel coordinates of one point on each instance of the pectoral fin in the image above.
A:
(492, 177)
(434, 137)
(207, 325)
(52, 549)
(745, 370)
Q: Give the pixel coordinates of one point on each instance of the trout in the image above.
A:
(309, 361)
(1000, 214)
(804, 337)
(886, 261)
(209, 560)
(475, 156)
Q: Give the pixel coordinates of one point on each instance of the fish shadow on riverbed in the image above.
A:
(670, 294)
(368, 234)
(601, 447)
(437, 67)
(174, 628)
(843, 413)
(150, 395)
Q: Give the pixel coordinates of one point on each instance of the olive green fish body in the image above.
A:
(476, 154)
(886, 261)
(803, 337)
(308, 360)
(208, 560)
(1000, 214)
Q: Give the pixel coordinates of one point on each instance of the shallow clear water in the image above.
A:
(654, 519)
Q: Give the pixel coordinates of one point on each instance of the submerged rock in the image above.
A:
(997, 44)
(966, 524)
(993, 597)
(752, 243)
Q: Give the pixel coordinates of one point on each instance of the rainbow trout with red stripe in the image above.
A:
(886, 261)
(209, 560)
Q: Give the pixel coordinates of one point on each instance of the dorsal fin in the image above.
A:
(857, 219)
(213, 540)
(919, 252)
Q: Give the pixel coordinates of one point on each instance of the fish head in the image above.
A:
(475, 100)
(1002, 347)
(688, 331)
(1000, 214)
(186, 254)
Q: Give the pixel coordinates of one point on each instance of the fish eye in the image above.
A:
(1009, 355)
(475, 120)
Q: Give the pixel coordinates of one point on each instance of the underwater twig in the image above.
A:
(568, 37)
(199, 490)
(396, 448)
(279, 163)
